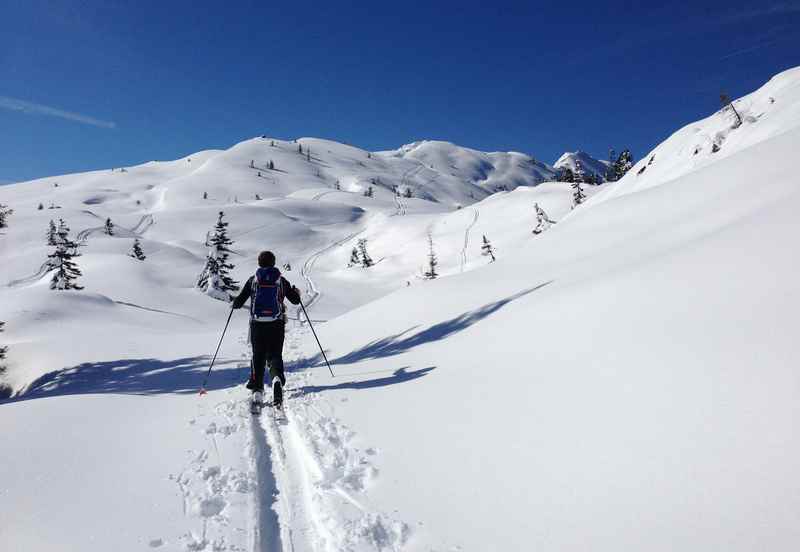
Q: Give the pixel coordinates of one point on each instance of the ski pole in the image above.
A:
(205, 380)
(321, 350)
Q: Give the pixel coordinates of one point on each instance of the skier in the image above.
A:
(266, 290)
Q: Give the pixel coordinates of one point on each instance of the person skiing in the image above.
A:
(266, 290)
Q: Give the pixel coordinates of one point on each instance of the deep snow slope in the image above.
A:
(625, 380)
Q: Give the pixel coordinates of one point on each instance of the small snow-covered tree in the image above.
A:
(354, 260)
(431, 273)
(252, 164)
(408, 193)
(623, 164)
(109, 227)
(3, 348)
(215, 279)
(364, 258)
(52, 235)
(578, 196)
(369, 192)
(579, 174)
(40, 207)
(487, 250)
(5, 212)
(566, 175)
(543, 222)
(308, 154)
(271, 165)
(136, 251)
(300, 148)
(60, 260)
(205, 195)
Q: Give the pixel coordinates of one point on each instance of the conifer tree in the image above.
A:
(487, 250)
(308, 154)
(579, 174)
(567, 175)
(109, 227)
(578, 196)
(40, 207)
(66, 271)
(366, 260)
(5, 212)
(51, 233)
(271, 165)
(543, 222)
(300, 148)
(354, 260)
(215, 279)
(408, 193)
(205, 195)
(431, 273)
(136, 251)
(623, 164)
(3, 349)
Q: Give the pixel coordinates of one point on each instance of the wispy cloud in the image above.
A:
(23, 106)
(784, 8)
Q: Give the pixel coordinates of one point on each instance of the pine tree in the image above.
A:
(365, 259)
(487, 250)
(271, 165)
(579, 174)
(40, 207)
(136, 251)
(66, 271)
(308, 154)
(5, 212)
(623, 164)
(3, 349)
(567, 175)
(543, 222)
(408, 193)
(205, 195)
(369, 192)
(300, 148)
(578, 196)
(51, 233)
(109, 227)
(215, 279)
(354, 260)
(252, 164)
(431, 273)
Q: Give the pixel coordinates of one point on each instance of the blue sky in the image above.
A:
(98, 84)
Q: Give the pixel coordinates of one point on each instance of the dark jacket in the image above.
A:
(289, 291)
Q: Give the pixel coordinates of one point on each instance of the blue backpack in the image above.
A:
(266, 299)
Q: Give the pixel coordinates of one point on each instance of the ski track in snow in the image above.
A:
(82, 237)
(466, 238)
(322, 478)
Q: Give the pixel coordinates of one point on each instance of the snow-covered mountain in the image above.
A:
(588, 164)
(624, 380)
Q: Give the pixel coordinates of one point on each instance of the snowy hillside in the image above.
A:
(624, 380)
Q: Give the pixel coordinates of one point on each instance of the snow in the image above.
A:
(625, 380)
(589, 165)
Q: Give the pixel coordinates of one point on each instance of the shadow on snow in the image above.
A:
(138, 376)
(404, 341)
(400, 375)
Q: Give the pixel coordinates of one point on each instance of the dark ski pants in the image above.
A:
(267, 341)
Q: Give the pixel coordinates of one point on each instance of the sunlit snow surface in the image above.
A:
(626, 380)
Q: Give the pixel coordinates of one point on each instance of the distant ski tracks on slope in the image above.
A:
(466, 237)
(308, 265)
(82, 237)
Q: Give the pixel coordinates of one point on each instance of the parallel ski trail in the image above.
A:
(466, 238)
